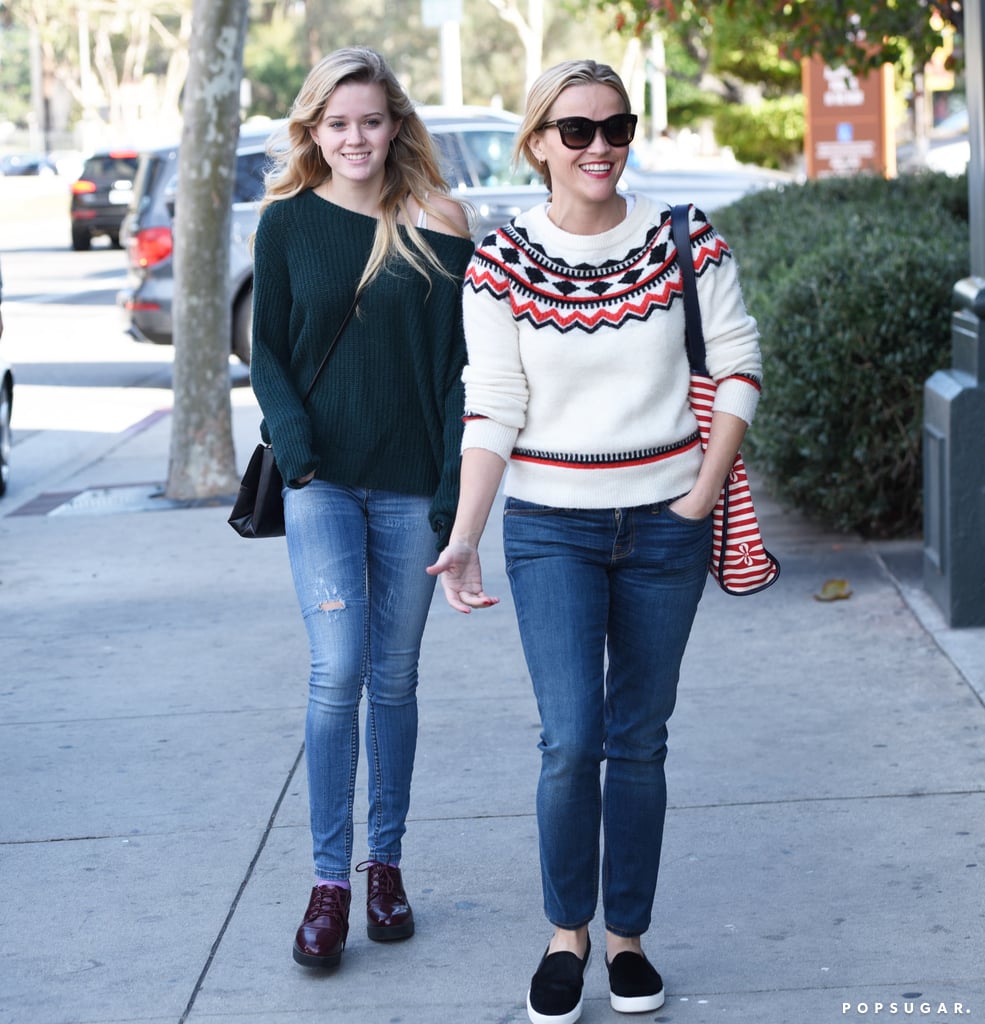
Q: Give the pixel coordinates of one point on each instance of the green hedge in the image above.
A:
(851, 282)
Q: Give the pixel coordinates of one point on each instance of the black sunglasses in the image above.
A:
(578, 132)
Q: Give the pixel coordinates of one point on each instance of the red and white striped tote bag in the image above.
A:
(739, 561)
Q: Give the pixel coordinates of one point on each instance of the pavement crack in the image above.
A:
(242, 888)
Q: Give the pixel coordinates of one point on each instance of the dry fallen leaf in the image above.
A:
(834, 590)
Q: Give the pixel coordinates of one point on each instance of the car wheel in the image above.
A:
(81, 240)
(114, 240)
(6, 401)
(243, 326)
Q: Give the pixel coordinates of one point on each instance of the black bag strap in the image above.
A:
(331, 347)
(694, 338)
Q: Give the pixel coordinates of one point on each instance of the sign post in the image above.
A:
(446, 16)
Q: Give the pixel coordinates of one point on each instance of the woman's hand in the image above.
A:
(302, 480)
(461, 577)
(724, 439)
(693, 506)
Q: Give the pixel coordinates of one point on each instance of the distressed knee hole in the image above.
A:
(332, 606)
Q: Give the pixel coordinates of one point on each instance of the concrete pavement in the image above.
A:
(824, 855)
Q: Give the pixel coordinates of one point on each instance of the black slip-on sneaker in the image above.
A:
(555, 989)
(634, 984)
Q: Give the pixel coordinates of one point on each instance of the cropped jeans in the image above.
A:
(358, 558)
(605, 600)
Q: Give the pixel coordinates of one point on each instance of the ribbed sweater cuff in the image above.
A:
(737, 397)
(493, 436)
(292, 448)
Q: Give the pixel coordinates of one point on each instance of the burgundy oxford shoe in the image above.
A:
(388, 914)
(321, 938)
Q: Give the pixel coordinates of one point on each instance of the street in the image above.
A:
(80, 380)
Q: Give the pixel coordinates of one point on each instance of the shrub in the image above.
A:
(770, 134)
(851, 281)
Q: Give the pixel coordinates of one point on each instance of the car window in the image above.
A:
(109, 168)
(490, 153)
(248, 185)
(453, 163)
(151, 174)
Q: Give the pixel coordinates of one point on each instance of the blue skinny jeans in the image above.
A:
(605, 600)
(358, 558)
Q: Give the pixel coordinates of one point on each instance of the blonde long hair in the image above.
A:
(546, 90)
(411, 167)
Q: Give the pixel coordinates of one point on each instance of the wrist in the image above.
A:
(705, 494)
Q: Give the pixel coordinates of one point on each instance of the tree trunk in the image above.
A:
(203, 462)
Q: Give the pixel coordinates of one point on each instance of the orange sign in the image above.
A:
(849, 121)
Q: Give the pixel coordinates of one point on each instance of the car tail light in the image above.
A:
(150, 246)
(133, 306)
(81, 187)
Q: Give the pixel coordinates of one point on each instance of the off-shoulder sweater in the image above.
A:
(577, 373)
(387, 410)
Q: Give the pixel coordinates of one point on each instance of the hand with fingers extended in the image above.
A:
(461, 577)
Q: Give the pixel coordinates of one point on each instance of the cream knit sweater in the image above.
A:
(577, 374)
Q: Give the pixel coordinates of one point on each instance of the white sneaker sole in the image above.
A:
(636, 1004)
(564, 1018)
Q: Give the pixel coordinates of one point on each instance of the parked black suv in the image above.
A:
(101, 195)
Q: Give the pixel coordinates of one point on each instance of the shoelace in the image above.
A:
(326, 902)
(383, 879)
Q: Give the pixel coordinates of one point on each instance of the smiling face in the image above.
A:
(582, 176)
(354, 133)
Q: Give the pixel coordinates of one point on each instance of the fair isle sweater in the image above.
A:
(386, 411)
(578, 375)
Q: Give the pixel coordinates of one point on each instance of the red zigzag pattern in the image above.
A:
(505, 265)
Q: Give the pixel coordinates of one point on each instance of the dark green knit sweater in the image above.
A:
(386, 413)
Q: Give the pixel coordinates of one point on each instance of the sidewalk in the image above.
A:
(824, 853)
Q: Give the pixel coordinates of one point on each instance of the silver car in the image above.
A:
(476, 149)
(147, 234)
(475, 145)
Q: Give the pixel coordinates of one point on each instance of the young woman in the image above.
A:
(577, 381)
(356, 203)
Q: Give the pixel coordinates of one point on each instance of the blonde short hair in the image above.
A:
(545, 91)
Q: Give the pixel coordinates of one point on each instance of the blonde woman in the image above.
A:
(577, 381)
(356, 202)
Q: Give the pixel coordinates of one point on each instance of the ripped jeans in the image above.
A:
(358, 558)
